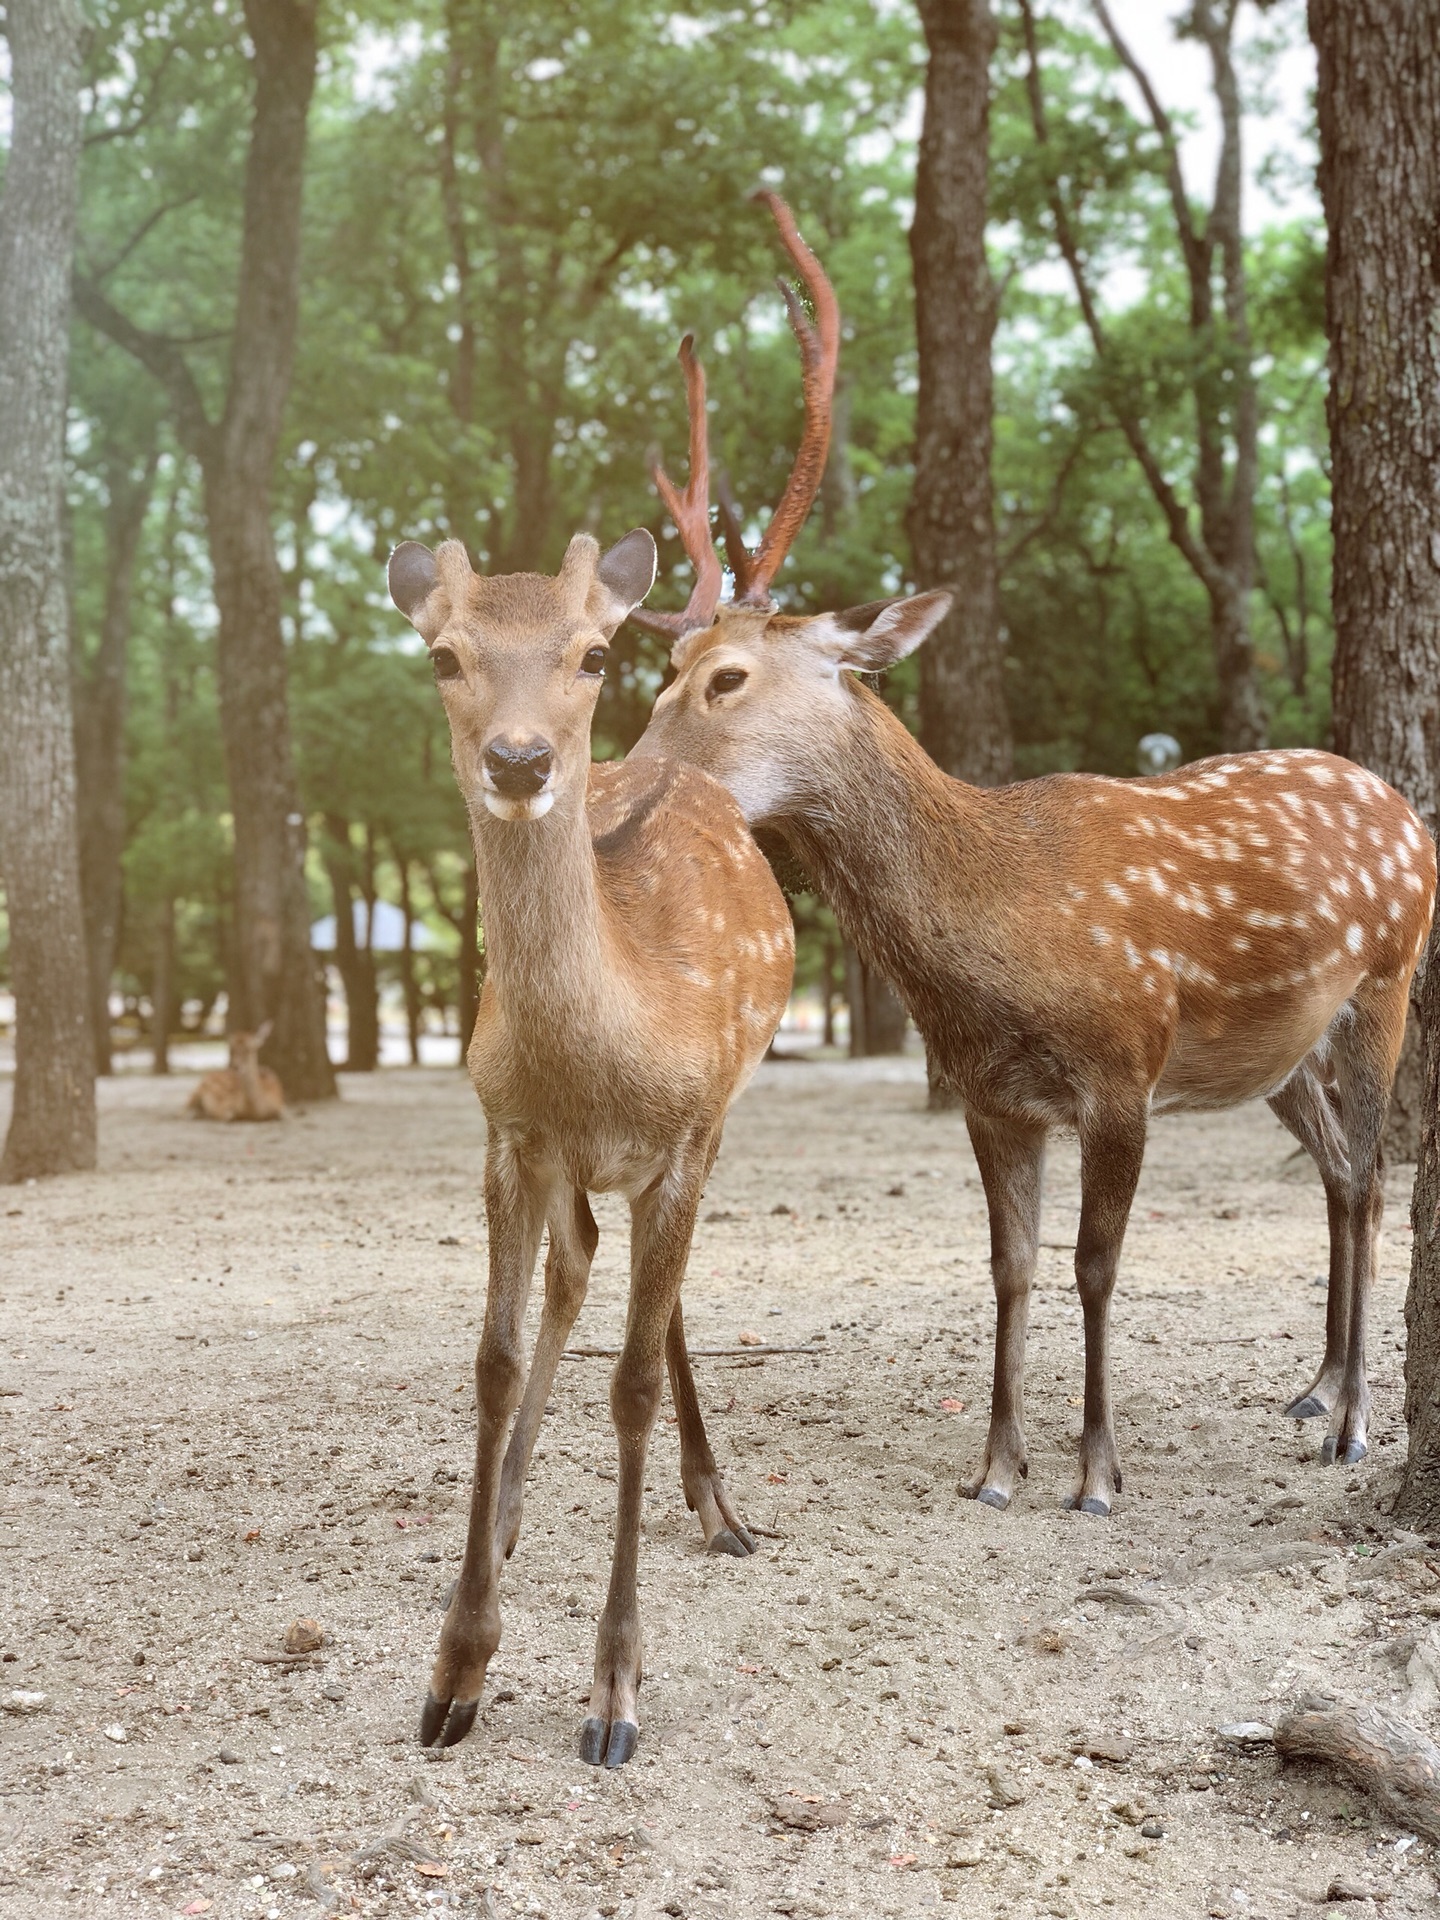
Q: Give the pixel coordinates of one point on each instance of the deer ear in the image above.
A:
(870, 638)
(624, 575)
(262, 1032)
(411, 575)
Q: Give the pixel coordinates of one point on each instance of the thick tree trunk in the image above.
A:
(964, 725)
(279, 977)
(52, 1127)
(100, 740)
(1379, 109)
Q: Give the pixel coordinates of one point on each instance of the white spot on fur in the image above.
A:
(1100, 936)
(1354, 936)
(1117, 893)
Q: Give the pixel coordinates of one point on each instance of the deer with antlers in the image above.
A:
(639, 960)
(1077, 951)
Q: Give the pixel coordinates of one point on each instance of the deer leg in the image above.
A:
(1303, 1106)
(1367, 1045)
(662, 1222)
(705, 1494)
(573, 1239)
(515, 1193)
(1011, 1158)
(1111, 1150)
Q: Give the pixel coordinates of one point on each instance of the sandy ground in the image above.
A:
(235, 1389)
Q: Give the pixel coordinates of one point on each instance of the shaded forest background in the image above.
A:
(509, 215)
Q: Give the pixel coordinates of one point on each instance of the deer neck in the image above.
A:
(905, 854)
(545, 934)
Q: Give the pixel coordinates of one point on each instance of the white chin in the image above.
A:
(534, 808)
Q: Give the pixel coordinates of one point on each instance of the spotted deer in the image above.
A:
(639, 959)
(244, 1090)
(1077, 951)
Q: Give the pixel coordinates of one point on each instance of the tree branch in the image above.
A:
(1196, 246)
(1177, 519)
(160, 357)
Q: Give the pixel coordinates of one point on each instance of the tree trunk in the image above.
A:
(1379, 111)
(471, 971)
(964, 725)
(162, 989)
(877, 1013)
(409, 984)
(277, 977)
(100, 739)
(52, 1126)
(354, 963)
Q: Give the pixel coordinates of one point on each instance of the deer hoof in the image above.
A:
(445, 1723)
(1354, 1453)
(593, 1734)
(1307, 1407)
(623, 1736)
(1327, 1451)
(1094, 1505)
(993, 1497)
(726, 1542)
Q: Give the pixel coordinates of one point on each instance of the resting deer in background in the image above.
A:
(244, 1090)
(639, 959)
(1077, 951)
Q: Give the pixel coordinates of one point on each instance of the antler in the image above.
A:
(819, 356)
(690, 511)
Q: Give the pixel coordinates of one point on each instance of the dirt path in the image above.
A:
(236, 1390)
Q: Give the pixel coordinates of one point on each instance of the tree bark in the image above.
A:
(1379, 110)
(409, 984)
(878, 1019)
(52, 1127)
(354, 963)
(162, 989)
(100, 711)
(277, 976)
(964, 724)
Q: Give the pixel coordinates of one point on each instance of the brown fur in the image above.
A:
(244, 1090)
(639, 959)
(1076, 950)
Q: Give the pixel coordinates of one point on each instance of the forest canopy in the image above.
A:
(510, 214)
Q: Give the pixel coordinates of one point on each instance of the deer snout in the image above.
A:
(518, 769)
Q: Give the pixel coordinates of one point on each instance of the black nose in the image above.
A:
(517, 770)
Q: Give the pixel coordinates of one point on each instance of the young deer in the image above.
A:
(1077, 951)
(244, 1090)
(639, 960)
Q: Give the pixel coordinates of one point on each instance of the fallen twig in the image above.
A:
(1383, 1756)
(696, 1353)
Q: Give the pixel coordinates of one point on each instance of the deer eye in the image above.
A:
(594, 661)
(446, 663)
(727, 680)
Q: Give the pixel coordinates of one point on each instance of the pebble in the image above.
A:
(1116, 1750)
(1342, 1889)
(304, 1636)
(116, 1733)
(21, 1701)
(195, 1552)
(1152, 1830)
(1246, 1733)
(228, 1757)
(1004, 1790)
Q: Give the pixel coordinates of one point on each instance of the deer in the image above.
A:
(244, 1090)
(640, 956)
(1077, 951)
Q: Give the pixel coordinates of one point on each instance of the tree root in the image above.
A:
(1384, 1757)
